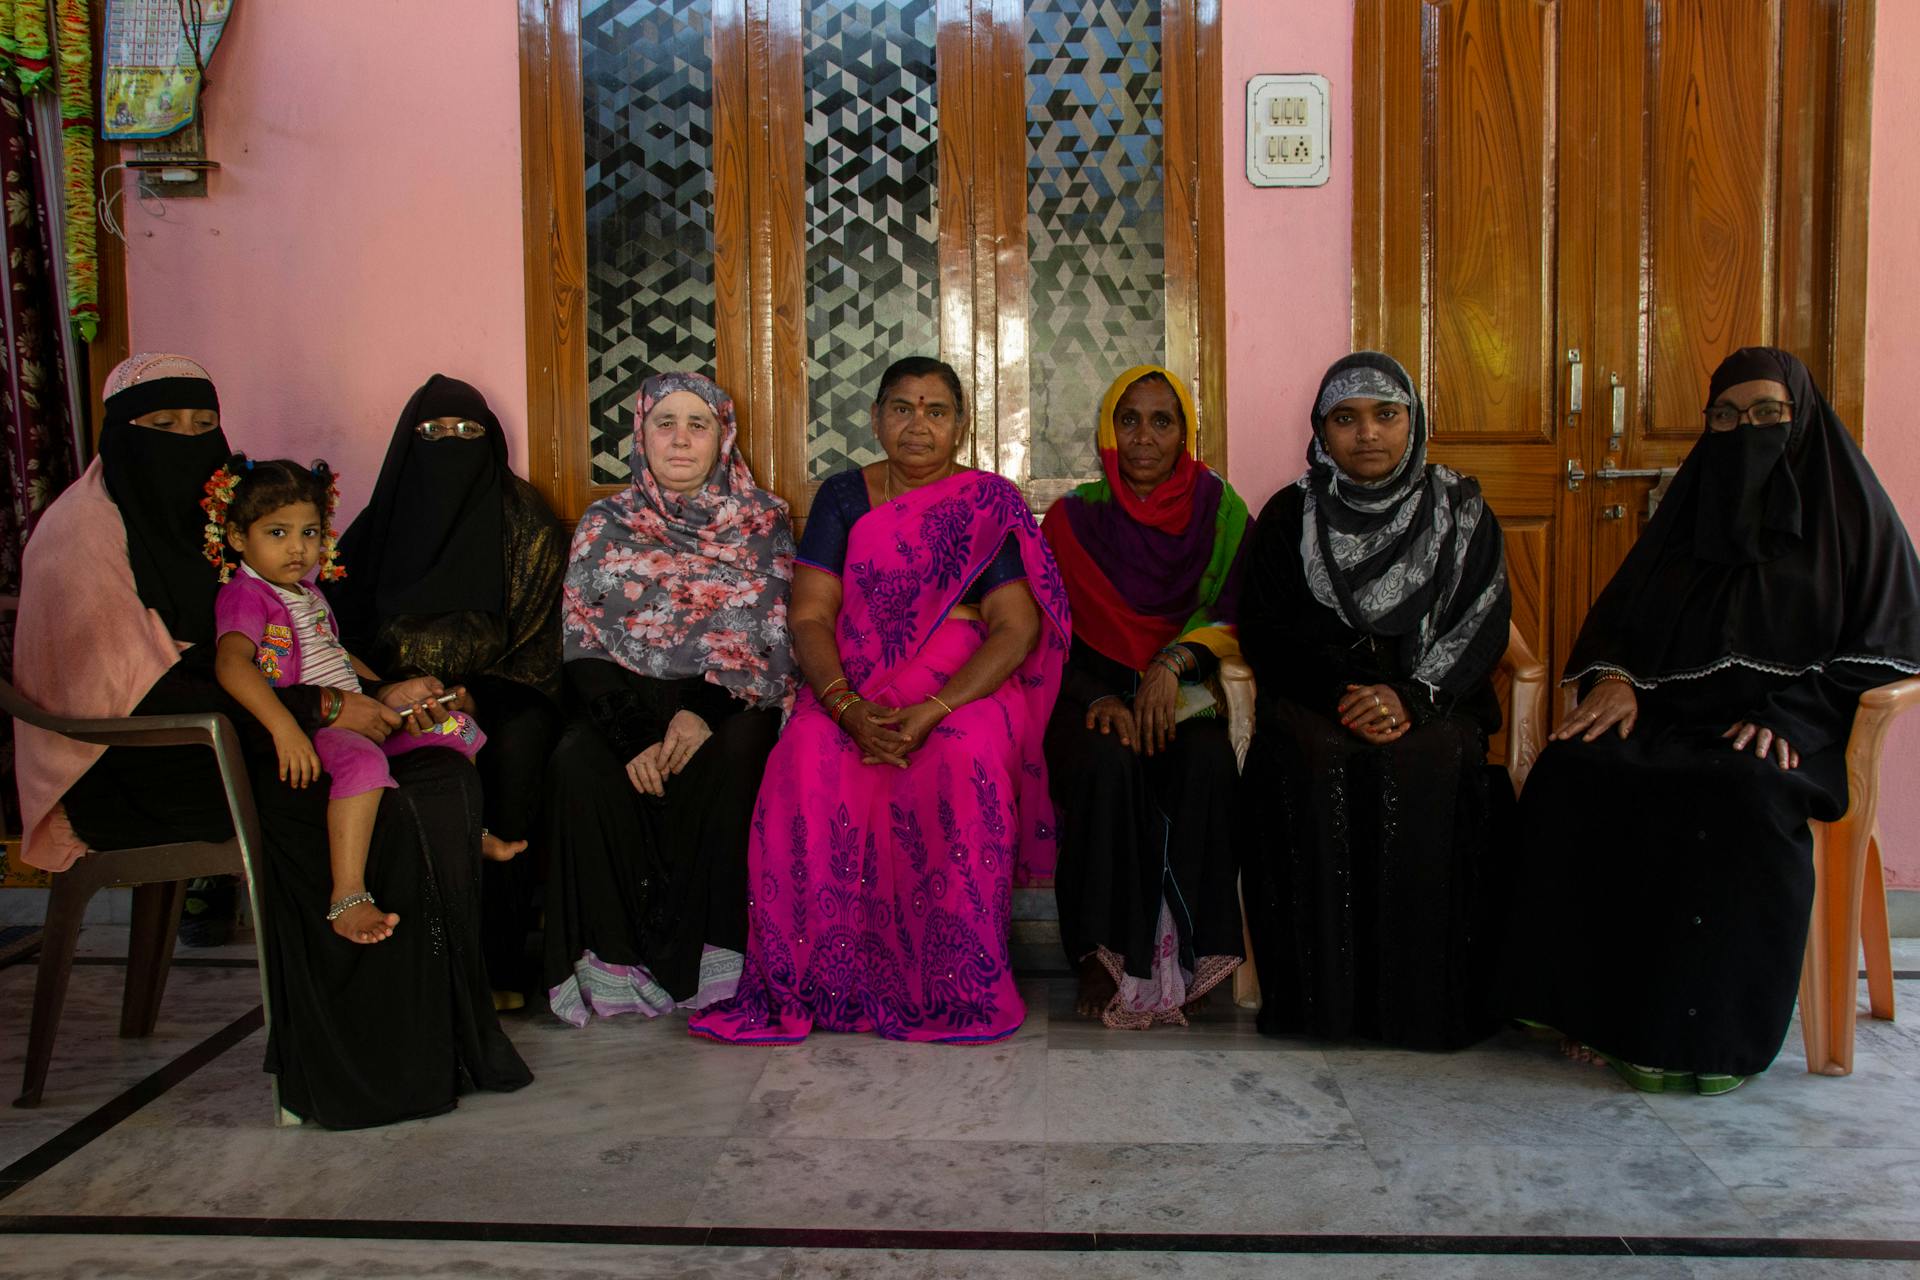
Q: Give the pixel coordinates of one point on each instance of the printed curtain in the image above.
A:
(38, 453)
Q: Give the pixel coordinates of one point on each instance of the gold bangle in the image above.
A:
(841, 710)
(934, 697)
(826, 692)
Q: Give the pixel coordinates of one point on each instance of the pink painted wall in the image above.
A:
(1893, 369)
(363, 231)
(1289, 253)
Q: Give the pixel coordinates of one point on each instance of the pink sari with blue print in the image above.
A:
(881, 897)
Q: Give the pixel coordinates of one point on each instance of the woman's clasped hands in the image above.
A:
(649, 770)
(888, 735)
(1374, 713)
(1148, 724)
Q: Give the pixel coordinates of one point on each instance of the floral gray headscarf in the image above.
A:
(675, 585)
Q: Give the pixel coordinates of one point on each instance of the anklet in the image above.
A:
(348, 903)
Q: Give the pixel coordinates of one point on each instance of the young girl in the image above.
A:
(273, 628)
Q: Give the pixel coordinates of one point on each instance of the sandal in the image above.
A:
(1711, 1084)
(1649, 1079)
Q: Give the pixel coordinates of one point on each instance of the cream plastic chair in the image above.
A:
(1850, 896)
(1526, 734)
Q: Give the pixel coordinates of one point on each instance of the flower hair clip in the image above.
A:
(219, 490)
(331, 570)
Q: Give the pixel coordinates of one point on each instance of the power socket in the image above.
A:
(1289, 133)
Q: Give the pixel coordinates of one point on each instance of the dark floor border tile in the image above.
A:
(178, 962)
(981, 1241)
(93, 1125)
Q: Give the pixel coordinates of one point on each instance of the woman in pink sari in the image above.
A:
(908, 794)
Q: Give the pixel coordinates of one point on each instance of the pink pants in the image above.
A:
(358, 765)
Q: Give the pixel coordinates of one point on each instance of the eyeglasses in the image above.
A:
(465, 429)
(1761, 413)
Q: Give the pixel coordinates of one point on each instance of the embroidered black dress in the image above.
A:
(1370, 872)
(1370, 865)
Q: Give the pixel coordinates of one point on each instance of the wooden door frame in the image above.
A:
(760, 247)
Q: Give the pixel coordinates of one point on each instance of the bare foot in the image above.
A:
(494, 849)
(1096, 988)
(365, 923)
(1578, 1052)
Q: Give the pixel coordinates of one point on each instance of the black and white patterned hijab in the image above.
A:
(1415, 556)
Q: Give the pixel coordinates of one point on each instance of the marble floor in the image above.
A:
(1068, 1150)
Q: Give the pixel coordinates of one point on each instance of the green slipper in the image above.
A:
(1712, 1085)
(1648, 1079)
(1645, 1079)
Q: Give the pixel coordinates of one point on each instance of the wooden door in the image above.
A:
(1568, 211)
(793, 194)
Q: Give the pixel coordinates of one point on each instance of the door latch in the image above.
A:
(1619, 432)
(1574, 475)
(1618, 511)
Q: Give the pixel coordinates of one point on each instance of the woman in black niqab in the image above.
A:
(454, 571)
(1661, 915)
(157, 477)
(429, 542)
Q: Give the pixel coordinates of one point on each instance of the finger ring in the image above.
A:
(1377, 704)
(1393, 721)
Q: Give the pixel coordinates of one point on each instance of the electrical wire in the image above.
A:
(153, 204)
(191, 21)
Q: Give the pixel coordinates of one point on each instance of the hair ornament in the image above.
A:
(219, 490)
(331, 570)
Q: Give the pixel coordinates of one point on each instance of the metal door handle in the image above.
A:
(1575, 389)
(1661, 476)
(1619, 413)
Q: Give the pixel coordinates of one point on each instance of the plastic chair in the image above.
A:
(1526, 735)
(1850, 896)
(156, 873)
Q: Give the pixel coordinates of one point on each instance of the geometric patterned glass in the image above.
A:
(872, 184)
(1095, 248)
(646, 88)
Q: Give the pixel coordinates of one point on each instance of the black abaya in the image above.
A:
(361, 1035)
(1369, 870)
(1661, 915)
